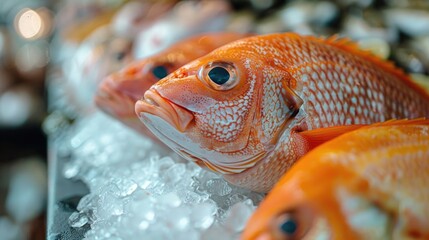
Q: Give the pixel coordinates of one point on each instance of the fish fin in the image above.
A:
(290, 98)
(398, 122)
(352, 47)
(318, 136)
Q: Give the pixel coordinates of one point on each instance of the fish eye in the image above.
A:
(219, 75)
(160, 72)
(291, 225)
(120, 55)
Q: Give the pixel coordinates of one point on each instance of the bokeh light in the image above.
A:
(28, 23)
(33, 24)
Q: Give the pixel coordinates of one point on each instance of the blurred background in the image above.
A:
(54, 53)
(26, 29)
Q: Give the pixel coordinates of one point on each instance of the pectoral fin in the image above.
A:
(318, 136)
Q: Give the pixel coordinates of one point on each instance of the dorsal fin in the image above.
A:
(350, 46)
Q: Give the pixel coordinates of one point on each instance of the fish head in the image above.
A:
(314, 201)
(118, 92)
(220, 109)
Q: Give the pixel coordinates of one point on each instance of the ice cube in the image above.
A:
(177, 218)
(202, 215)
(190, 197)
(159, 231)
(109, 205)
(164, 163)
(143, 225)
(145, 183)
(126, 186)
(71, 169)
(256, 197)
(169, 200)
(238, 215)
(78, 219)
(235, 198)
(216, 232)
(188, 234)
(146, 211)
(175, 173)
(218, 186)
(193, 168)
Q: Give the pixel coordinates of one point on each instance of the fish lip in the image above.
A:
(153, 103)
(116, 82)
(113, 102)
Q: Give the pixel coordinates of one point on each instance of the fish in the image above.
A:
(99, 55)
(118, 92)
(370, 183)
(251, 108)
(184, 19)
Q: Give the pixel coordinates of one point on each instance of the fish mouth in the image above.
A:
(113, 102)
(132, 86)
(156, 105)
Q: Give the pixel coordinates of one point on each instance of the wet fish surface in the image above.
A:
(251, 108)
(370, 183)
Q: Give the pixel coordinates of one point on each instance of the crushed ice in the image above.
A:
(140, 191)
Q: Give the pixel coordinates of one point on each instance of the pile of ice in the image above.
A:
(138, 191)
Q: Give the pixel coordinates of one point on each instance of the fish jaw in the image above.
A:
(176, 127)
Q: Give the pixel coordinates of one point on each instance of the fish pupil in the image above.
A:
(289, 227)
(160, 72)
(219, 75)
(120, 56)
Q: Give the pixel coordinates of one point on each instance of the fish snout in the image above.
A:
(114, 102)
(130, 84)
(154, 104)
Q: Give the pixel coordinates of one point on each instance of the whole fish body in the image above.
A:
(371, 183)
(118, 92)
(251, 108)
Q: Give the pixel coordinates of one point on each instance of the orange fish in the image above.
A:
(249, 109)
(371, 183)
(118, 92)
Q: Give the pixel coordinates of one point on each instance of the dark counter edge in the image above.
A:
(63, 197)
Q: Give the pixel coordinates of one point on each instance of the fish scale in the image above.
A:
(360, 77)
(320, 83)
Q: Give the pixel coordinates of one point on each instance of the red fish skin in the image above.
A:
(340, 87)
(338, 84)
(385, 164)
